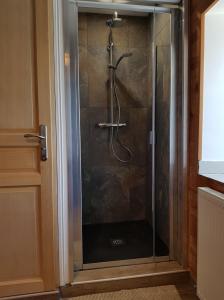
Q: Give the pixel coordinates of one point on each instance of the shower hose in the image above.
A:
(114, 133)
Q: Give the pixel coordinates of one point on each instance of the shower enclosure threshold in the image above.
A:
(128, 277)
(119, 272)
(127, 262)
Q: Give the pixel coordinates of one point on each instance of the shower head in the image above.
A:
(128, 54)
(115, 21)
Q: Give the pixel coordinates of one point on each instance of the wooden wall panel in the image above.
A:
(197, 7)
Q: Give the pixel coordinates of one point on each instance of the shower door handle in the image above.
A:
(151, 138)
(42, 140)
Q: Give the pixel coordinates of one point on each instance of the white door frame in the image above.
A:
(64, 215)
(61, 146)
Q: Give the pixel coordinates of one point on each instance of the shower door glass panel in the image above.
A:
(117, 196)
(162, 133)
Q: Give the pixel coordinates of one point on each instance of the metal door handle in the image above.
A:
(30, 135)
(42, 140)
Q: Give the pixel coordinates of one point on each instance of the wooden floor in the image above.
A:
(184, 292)
(187, 291)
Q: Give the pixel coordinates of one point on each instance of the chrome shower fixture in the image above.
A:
(115, 21)
(116, 145)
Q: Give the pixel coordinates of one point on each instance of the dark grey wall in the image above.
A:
(112, 191)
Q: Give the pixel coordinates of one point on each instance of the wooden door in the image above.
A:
(27, 246)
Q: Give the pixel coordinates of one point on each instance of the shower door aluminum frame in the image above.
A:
(71, 50)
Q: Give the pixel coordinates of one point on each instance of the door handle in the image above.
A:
(30, 135)
(42, 140)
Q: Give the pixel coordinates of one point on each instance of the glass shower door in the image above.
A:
(116, 195)
(162, 43)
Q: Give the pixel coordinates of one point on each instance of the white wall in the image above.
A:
(213, 98)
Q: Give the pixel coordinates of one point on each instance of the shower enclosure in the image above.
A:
(125, 70)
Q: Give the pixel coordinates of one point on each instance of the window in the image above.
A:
(211, 150)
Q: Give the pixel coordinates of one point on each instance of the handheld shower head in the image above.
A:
(128, 54)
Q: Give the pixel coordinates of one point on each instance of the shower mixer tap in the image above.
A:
(111, 125)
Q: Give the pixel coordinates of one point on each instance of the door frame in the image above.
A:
(61, 145)
(64, 70)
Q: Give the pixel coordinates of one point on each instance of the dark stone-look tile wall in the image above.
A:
(112, 191)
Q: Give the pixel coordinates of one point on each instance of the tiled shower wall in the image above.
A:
(113, 191)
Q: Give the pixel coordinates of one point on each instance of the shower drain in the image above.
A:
(117, 242)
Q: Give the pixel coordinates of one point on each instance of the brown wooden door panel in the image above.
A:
(21, 243)
(19, 159)
(27, 250)
(18, 76)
